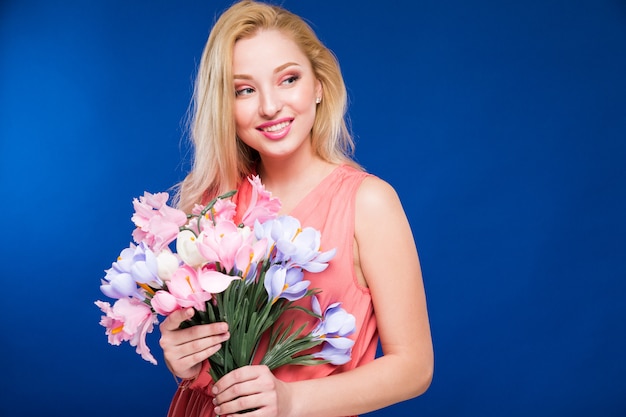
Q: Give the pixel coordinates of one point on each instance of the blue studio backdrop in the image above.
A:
(502, 125)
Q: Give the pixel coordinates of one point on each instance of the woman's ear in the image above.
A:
(318, 91)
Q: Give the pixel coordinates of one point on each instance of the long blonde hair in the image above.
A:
(220, 159)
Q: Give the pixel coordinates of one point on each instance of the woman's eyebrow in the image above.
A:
(277, 70)
(286, 65)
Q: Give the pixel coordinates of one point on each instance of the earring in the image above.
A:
(318, 100)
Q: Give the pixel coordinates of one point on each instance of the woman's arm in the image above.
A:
(388, 260)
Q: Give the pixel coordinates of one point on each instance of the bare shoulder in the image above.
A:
(380, 218)
(377, 196)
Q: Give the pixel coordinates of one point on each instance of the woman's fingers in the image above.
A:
(249, 387)
(172, 322)
(185, 349)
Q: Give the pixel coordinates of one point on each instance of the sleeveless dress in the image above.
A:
(329, 208)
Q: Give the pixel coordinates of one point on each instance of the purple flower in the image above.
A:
(144, 266)
(283, 227)
(304, 251)
(118, 281)
(295, 246)
(136, 265)
(334, 355)
(281, 282)
(334, 328)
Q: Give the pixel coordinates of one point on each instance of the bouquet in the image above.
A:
(247, 274)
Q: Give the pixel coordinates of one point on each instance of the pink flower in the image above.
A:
(184, 290)
(248, 256)
(214, 282)
(262, 205)
(221, 242)
(223, 209)
(129, 320)
(157, 223)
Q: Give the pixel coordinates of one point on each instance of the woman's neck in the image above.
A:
(291, 180)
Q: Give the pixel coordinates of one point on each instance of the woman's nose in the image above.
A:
(270, 104)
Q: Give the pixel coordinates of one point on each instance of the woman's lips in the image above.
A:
(276, 129)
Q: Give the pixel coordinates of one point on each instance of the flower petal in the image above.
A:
(214, 282)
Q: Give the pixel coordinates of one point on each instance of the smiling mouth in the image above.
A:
(277, 127)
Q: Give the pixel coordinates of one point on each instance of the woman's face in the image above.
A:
(275, 95)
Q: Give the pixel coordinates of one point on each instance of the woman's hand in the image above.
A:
(185, 349)
(252, 388)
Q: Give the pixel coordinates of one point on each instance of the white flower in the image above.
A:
(187, 249)
(167, 263)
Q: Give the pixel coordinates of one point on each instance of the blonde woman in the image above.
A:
(270, 100)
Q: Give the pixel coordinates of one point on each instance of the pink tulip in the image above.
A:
(164, 303)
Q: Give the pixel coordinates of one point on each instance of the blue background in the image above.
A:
(501, 124)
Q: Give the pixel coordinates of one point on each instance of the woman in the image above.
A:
(270, 100)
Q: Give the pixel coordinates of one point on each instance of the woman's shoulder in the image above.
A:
(377, 210)
(375, 194)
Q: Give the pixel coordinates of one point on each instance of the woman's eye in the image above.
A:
(291, 79)
(243, 91)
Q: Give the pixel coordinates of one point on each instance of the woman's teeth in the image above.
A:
(276, 127)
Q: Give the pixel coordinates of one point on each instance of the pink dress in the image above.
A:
(330, 209)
